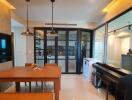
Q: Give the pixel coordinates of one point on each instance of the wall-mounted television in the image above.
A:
(5, 48)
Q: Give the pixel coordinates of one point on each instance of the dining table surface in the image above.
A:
(19, 74)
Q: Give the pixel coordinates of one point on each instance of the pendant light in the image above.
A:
(27, 32)
(52, 33)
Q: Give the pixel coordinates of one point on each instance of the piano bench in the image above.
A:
(26, 96)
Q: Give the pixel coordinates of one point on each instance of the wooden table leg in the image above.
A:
(30, 87)
(57, 88)
(17, 86)
(0, 88)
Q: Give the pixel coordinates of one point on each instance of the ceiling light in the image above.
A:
(27, 32)
(107, 8)
(52, 33)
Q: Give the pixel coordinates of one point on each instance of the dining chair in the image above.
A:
(50, 64)
(30, 65)
(46, 66)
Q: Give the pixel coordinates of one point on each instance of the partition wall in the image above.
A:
(113, 41)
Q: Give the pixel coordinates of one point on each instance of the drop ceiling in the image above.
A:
(65, 11)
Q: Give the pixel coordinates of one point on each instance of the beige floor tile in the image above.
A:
(73, 87)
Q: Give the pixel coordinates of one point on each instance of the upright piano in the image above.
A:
(108, 73)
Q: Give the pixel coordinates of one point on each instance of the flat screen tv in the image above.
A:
(5, 48)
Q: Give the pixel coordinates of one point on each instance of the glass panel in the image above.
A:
(119, 44)
(50, 60)
(39, 47)
(61, 44)
(39, 34)
(85, 36)
(85, 45)
(72, 35)
(39, 54)
(50, 37)
(72, 50)
(124, 20)
(61, 49)
(99, 44)
(72, 66)
(40, 62)
(62, 35)
(51, 51)
(61, 64)
(39, 44)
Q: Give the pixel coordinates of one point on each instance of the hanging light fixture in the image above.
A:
(52, 32)
(27, 32)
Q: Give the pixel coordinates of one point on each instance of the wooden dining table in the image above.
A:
(44, 74)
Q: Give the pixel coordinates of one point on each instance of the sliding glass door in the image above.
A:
(39, 47)
(72, 51)
(50, 49)
(64, 50)
(85, 46)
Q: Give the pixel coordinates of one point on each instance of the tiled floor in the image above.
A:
(74, 87)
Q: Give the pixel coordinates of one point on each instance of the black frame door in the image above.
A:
(66, 50)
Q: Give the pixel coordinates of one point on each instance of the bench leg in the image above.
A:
(36, 84)
(17, 86)
(30, 89)
(25, 84)
(0, 89)
(42, 86)
(57, 88)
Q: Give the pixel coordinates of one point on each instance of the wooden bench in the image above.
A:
(26, 96)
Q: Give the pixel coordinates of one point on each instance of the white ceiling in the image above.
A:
(14, 23)
(65, 11)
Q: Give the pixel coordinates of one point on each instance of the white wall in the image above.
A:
(30, 48)
(5, 27)
(23, 47)
(125, 45)
(19, 46)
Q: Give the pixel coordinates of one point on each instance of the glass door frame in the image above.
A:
(78, 53)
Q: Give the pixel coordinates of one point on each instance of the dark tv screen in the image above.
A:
(5, 48)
